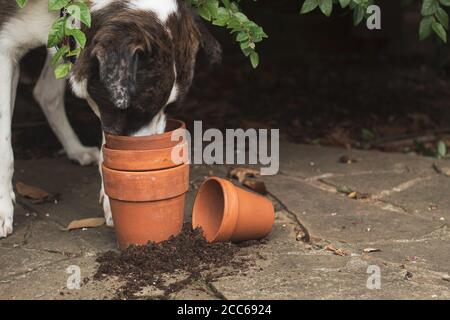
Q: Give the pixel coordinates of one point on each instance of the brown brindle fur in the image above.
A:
(129, 63)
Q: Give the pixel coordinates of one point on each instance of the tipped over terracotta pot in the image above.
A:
(146, 186)
(227, 213)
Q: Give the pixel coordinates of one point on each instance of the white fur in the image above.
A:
(16, 38)
(49, 93)
(79, 88)
(162, 8)
(104, 199)
(100, 4)
(24, 31)
(173, 94)
(27, 29)
(7, 86)
(156, 126)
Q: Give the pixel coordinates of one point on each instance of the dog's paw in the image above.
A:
(6, 215)
(107, 211)
(85, 156)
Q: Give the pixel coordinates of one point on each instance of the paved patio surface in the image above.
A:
(404, 214)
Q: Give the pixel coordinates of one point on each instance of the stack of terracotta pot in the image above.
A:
(146, 179)
(146, 188)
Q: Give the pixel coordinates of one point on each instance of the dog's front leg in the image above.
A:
(49, 93)
(104, 199)
(8, 84)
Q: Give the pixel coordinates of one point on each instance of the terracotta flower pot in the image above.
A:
(142, 160)
(228, 213)
(148, 205)
(146, 187)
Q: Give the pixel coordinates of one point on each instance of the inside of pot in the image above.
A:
(208, 209)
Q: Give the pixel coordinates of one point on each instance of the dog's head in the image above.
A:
(135, 64)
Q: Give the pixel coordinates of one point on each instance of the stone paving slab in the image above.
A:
(375, 184)
(334, 216)
(50, 282)
(290, 270)
(17, 261)
(431, 255)
(78, 188)
(403, 220)
(312, 161)
(430, 198)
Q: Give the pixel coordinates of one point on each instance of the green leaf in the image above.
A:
(445, 3)
(441, 149)
(204, 13)
(254, 59)
(425, 28)
(80, 11)
(326, 6)
(439, 30)
(62, 70)
(54, 5)
(56, 33)
(212, 6)
(74, 53)
(21, 3)
(78, 35)
(358, 15)
(242, 37)
(429, 7)
(367, 134)
(59, 54)
(222, 17)
(442, 17)
(344, 3)
(309, 5)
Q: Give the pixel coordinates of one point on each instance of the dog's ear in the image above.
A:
(117, 71)
(210, 45)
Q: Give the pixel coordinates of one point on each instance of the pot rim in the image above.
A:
(145, 171)
(180, 125)
(117, 151)
(140, 196)
(230, 209)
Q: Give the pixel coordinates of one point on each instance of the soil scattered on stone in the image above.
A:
(172, 265)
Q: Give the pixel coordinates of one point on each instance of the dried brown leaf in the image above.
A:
(241, 173)
(338, 252)
(442, 170)
(353, 195)
(31, 192)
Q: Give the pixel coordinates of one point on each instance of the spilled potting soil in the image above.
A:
(187, 258)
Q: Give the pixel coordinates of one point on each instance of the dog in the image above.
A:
(139, 58)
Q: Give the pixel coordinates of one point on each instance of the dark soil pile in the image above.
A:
(187, 256)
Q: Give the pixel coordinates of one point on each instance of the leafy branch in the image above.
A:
(65, 28)
(226, 13)
(434, 16)
(359, 7)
